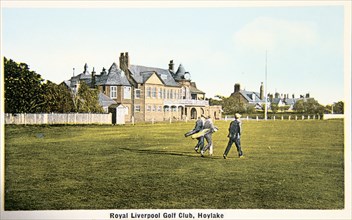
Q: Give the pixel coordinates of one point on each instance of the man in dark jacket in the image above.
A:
(234, 136)
(199, 126)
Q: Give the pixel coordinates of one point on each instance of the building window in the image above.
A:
(183, 93)
(154, 92)
(127, 92)
(154, 108)
(148, 92)
(159, 108)
(149, 108)
(137, 108)
(164, 96)
(194, 96)
(137, 93)
(113, 92)
(160, 94)
(188, 93)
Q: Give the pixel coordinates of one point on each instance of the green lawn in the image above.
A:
(287, 165)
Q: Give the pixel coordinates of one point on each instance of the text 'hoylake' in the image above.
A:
(166, 215)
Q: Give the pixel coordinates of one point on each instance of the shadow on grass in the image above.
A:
(180, 154)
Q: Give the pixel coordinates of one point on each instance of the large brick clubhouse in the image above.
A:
(147, 93)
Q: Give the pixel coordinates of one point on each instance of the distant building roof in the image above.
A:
(276, 100)
(85, 73)
(253, 97)
(290, 101)
(67, 83)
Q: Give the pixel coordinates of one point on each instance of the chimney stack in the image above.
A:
(124, 61)
(261, 91)
(103, 72)
(86, 69)
(127, 59)
(171, 66)
(93, 78)
(237, 87)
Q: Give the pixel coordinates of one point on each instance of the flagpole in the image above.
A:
(266, 94)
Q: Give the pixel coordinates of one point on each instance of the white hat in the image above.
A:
(237, 115)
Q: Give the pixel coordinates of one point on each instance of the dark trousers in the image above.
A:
(237, 142)
(200, 144)
(209, 139)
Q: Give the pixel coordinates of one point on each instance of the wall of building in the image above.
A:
(215, 111)
(139, 115)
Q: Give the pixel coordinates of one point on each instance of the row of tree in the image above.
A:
(27, 92)
(231, 105)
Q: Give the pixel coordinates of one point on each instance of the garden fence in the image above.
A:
(58, 118)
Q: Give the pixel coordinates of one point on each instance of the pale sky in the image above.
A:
(219, 46)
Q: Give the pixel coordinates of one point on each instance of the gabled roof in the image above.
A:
(147, 75)
(115, 77)
(67, 83)
(105, 100)
(248, 95)
(194, 90)
(141, 73)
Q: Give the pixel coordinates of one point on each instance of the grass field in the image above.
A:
(287, 165)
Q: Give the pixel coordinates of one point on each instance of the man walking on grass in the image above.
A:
(208, 136)
(234, 136)
(199, 126)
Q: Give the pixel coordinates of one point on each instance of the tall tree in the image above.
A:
(23, 88)
(86, 100)
(57, 98)
(339, 107)
(310, 106)
(232, 105)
